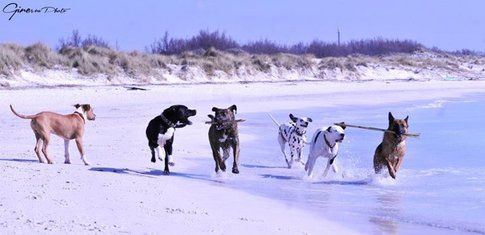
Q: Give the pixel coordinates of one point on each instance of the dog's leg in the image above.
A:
(38, 147)
(378, 166)
(377, 163)
(310, 164)
(392, 171)
(300, 160)
(168, 147)
(235, 149)
(166, 170)
(45, 149)
(152, 150)
(225, 154)
(170, 160)
(327, 168)
(153, 146)
(66, 152)
(334, 166)
(217, 158)
(79, 143)
(293, 156)
(398, 163)
(282, 143)
(157, 151)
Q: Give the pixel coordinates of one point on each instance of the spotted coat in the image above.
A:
(294, 136)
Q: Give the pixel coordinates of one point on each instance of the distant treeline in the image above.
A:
(205, 39)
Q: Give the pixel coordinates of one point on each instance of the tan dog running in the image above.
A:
(391, 151)
(69, 127)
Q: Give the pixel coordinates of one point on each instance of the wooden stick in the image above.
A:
(237, 120)
(375, 129)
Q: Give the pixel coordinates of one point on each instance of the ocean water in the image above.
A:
(440, 188)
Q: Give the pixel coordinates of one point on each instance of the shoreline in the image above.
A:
(237, 82)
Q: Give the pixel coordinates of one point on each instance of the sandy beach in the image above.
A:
(123, 192)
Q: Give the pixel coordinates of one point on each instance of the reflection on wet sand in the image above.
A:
(388, 206)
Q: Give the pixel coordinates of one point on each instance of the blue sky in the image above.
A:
(133, 24)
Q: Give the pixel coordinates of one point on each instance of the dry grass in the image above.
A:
(92, 60)
(11, 58)
(39, 55)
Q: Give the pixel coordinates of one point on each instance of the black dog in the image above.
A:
(160, 130)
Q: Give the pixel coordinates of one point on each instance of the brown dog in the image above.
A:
(223, 134)
(391, 151)
(69, 127)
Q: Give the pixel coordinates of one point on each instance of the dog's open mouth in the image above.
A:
(191, 113)
(183, 123)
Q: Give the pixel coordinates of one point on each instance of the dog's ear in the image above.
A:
(169, 112)
(293, 118)
(214, 109)
(211, 117)
(233, 108)
(391, 118)
(86, 107)
(406, 119)
(343, 127)
(310, 120)
(77, 106)
(329, 129)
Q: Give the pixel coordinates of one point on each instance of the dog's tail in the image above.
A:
(21, 115)
(274, 120)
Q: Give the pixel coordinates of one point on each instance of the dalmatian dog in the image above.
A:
(325, 143)
(293, 134)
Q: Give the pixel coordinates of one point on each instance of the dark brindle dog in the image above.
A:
(223, 134)
(391, 151)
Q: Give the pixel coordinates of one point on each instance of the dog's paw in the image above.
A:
(166, 172)
(170, 161)
(86, 163)
(235, 170)
(223, 167)
(67, 162)
(154, 160)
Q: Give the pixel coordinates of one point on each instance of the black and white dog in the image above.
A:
(293, 133)
(325, 143)
(160, 131)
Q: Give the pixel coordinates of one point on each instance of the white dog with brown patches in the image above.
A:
(69, 127)
(325, 143)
